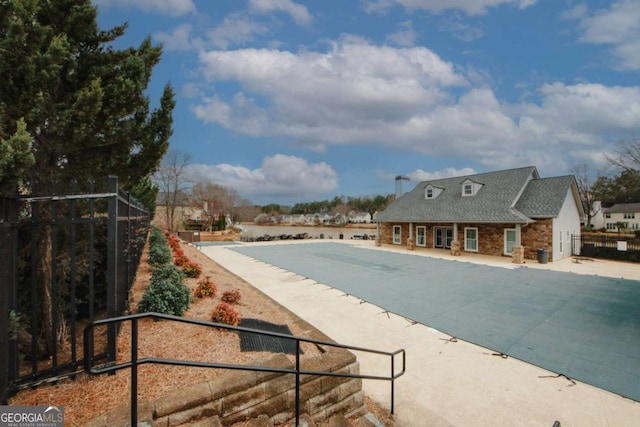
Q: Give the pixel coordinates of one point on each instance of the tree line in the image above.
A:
(179, 187)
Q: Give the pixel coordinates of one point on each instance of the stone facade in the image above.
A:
(534, 236)
(236, 396)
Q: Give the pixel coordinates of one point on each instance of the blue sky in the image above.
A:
(290, 101)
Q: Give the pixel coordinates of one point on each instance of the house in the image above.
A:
(185, 211)
(360, 217)
(488, 213)
(625, 216)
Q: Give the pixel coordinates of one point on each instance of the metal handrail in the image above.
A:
(135, 361)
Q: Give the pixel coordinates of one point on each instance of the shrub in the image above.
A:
(179, 258)
(156, 236)
(174, 243)
(163, 296)
(159, 254)
(206, 288)
(231, 297)
(225, 313)
(191, 269)
(167, 272)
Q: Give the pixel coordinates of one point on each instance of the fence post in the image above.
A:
(8, 251)
(112, 265)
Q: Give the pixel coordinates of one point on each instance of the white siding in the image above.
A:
(564, 226)
(632, 223)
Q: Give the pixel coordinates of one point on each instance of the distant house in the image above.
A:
(622, 217)
(360, 217)
(488, 213)
(185, 211)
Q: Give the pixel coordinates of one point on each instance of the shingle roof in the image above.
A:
(543, 198)
(512, 196)
(623, 208)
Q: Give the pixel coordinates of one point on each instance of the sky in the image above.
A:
(290, 101)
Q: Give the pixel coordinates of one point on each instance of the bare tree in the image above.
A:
(585, 180)
(172, 179)
(626, 156)
(216, 201)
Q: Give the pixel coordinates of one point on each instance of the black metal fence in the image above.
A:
(607, 246)
(67, 258)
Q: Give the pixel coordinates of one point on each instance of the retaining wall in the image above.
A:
(235, 396)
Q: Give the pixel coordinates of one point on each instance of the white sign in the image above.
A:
(622, 246)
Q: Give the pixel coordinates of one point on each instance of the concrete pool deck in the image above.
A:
(447, 383)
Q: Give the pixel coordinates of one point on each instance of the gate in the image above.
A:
(67, 259)
(614, 246)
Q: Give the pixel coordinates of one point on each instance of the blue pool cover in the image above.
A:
(583, 327)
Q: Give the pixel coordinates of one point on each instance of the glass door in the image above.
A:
(442, 237)
(509, 240)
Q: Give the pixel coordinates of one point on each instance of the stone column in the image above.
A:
(455, 248)
(411, 244)
(517, 253)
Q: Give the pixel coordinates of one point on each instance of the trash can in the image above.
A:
(543, 256)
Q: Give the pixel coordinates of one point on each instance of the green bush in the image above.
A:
(157, 237)
(159, 254)
(167, 292)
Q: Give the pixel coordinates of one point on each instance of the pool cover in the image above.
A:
(583, 327)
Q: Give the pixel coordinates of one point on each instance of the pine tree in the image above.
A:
(78, 103)
(83, 101)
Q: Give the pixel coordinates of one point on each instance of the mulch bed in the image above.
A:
(88, 396)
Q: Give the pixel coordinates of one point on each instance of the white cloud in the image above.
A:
(409, 99)
(299, 13)
(420, 175)
(179, 39)
(280, 176)
(618, 27)
(354, 83)
(460, 30)
(470, 7)
(163, 7)
(236, 29)
(405, 36)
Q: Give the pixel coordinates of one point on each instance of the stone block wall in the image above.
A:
(235, 396)
(534, 236)
(538, 235)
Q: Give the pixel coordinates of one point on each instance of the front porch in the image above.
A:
(496, 240)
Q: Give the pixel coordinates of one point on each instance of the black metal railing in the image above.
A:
(135, 361)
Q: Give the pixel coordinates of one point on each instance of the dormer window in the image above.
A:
(431, 192)
(470, 188)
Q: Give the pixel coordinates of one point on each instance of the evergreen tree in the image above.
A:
(79, 104)
(83, 101)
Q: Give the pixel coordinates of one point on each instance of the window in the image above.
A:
(561, 241)
(429, 193)
(397, 235)
(607, 215)
(611, 226)
(471, 239)
(421, 236)
(629, 215)
(468, 190)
